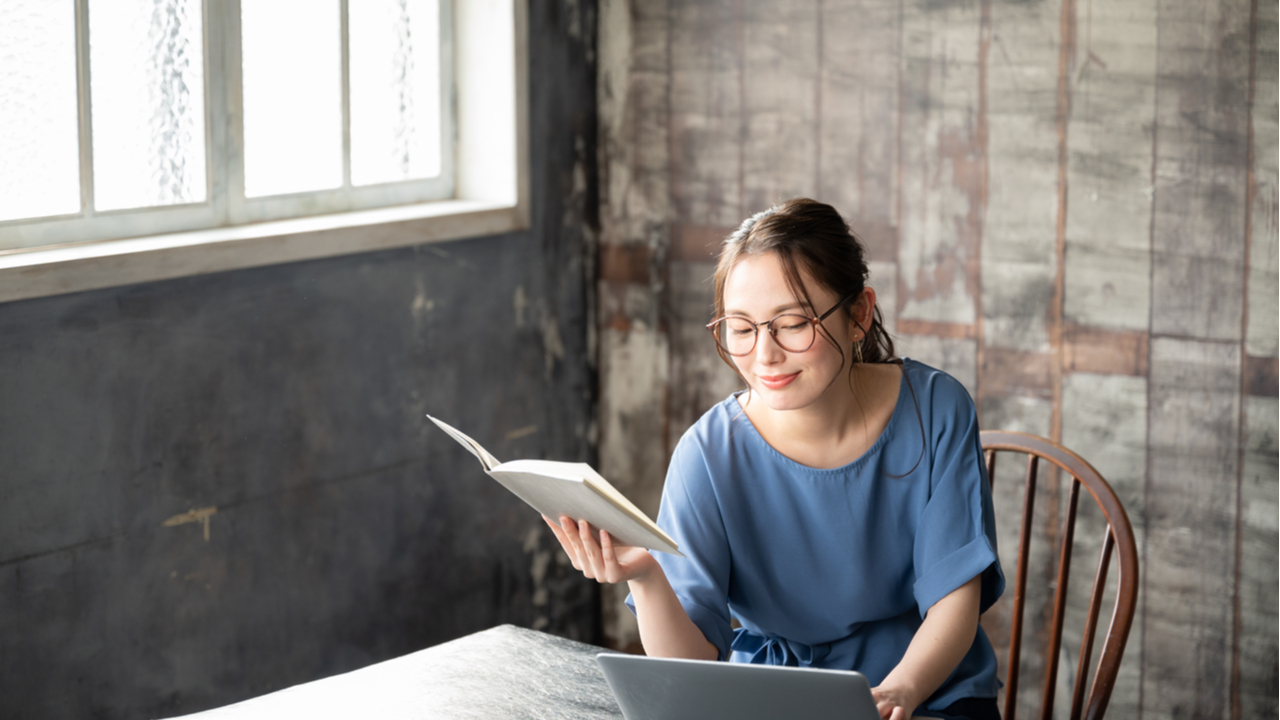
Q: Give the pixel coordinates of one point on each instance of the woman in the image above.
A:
(838, 508)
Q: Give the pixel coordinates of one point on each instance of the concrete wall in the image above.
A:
(1070, 206)
(291, 399)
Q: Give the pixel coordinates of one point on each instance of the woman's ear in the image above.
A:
(863, 310)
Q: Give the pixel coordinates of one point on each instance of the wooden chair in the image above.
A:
(1118, 538)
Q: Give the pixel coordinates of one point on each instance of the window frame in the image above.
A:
(489, 193)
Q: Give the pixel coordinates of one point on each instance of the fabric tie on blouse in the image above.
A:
(770, 649)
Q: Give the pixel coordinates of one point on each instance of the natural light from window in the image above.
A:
(39, 150)
(292, 96)
(331, 98)
(395, 90)
(148, 103)
(142, 140)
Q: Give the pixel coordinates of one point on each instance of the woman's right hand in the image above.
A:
(603, 561)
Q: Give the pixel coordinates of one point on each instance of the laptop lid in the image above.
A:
(669, 689)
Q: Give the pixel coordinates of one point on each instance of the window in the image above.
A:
(142, 139)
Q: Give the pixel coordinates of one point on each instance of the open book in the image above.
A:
(574, 489)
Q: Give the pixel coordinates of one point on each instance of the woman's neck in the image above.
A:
(840, 426)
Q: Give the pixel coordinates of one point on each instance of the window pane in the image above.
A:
(146, 64)
(39, 140)
(292, 108)
(395, 90)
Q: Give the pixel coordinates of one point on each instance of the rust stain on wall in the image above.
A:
(697, 243)
(1261, 376)
(1008, 372)
(1106, 352)
(909, 326)
(625, 263)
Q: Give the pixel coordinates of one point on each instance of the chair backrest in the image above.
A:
(1118, 538)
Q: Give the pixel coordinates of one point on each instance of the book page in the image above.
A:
(558, 488)
(487, 460)
(604, 487)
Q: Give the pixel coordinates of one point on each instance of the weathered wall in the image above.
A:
(1071, 206)
(292, 400)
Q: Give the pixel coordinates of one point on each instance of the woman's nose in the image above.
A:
(767, 349)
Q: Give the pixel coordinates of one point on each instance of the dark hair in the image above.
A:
(810, 236)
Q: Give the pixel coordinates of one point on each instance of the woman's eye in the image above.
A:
(739, 332)
(797, 327)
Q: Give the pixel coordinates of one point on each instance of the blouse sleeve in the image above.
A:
(956, 537)
(690, 514)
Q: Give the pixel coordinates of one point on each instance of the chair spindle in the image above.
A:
(1091, 623)
(1054, 650)
(1020, 589)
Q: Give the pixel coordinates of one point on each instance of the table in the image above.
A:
(503, 672)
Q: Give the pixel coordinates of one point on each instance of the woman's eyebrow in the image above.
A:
(775, 312)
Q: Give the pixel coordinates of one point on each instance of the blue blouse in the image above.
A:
(835, 568)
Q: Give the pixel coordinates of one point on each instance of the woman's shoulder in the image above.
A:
(721, 433)
(941, 389)
(715, 428)
(700, 457)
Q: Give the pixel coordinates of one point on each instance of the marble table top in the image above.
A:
(503, 672)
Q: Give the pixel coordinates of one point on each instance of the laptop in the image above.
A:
(669, 689)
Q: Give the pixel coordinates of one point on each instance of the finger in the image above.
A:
(555, 529)
(560, 536)
(613, 573)
(574, 544)
(590, 551)
(612, 568)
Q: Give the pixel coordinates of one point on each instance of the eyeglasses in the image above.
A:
(793, 333)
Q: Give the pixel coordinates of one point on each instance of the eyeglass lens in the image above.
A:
(794, 333)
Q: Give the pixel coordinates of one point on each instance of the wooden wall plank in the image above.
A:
(1109, 136)
(706, 79)
(1104, 419)
(1201, 160)
(779, 102)
(956, 356)
(1109, 352)
(942, 161)
(1019, 413)
(1261, 334)
(634, 83)
(1019, 237)
(1194, 424)
(883, 278)
(633, 426)
(858, 117)
(632, 86)
(1258, 576)
(699, 378)
(1007, 372)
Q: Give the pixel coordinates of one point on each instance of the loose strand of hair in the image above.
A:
(919, 420)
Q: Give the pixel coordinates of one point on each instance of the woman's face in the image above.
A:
(757, 290)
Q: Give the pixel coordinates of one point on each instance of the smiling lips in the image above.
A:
(777, 382)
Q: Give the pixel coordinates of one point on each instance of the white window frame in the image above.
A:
(490, 181)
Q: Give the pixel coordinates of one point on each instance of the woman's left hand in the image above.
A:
(893, 703)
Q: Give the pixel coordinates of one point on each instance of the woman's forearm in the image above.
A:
(939, 645)
(665, 627)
